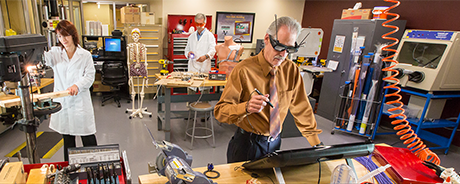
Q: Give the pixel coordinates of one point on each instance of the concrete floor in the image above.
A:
(114, 127)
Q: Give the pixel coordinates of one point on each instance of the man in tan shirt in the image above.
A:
(242, 106)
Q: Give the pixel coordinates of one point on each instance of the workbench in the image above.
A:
(165, 116)
(234, 173)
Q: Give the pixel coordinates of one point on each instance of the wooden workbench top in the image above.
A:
(162, 80)
(233, 173)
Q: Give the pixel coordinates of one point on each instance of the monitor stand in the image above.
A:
(279, 175)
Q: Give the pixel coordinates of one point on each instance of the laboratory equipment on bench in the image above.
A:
(17, 54)
(429, 60)
(174, 163)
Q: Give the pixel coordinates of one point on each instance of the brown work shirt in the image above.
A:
(254, 72)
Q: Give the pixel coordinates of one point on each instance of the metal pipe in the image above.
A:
(82, 22)
(2, 25)
(114, 16)
(63, 13)
(72, 18)
(25, 7)
(45, 13)
(28, 122)
(31, 139)
(37, 19)
(27, 110)
(53, 8)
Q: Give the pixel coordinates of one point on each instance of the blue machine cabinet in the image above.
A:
(418, 125)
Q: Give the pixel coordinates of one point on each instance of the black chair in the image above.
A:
(115, 75)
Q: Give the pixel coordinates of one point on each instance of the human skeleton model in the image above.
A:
(136, 68)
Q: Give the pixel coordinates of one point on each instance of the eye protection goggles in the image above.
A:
(280, 47)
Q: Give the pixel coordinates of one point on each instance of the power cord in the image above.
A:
(211, 170)
(319, 171)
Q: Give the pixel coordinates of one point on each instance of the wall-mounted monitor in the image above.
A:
(112, 44)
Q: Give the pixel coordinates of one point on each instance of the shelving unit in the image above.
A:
(421, 124)
(150, 36)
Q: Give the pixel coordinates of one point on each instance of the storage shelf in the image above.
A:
(439, 123)
(419, 124)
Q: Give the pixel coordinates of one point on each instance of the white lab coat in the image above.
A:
(77, 115)
(206, 45)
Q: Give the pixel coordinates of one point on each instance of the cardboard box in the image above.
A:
(357, 14)
(13, 172)
(136, 18)
(130, 14)
(99, 87)
(147, 18)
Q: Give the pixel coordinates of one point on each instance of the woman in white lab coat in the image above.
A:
(73, 71)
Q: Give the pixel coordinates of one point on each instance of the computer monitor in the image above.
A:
(306, 156)
(112, 44)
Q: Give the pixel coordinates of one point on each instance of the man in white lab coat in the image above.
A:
(200, 47)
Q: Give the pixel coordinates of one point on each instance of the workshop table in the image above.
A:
(166, 115)
(233, 173)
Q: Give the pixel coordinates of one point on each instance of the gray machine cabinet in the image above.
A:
(329, 100)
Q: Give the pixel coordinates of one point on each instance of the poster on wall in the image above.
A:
(238, 25)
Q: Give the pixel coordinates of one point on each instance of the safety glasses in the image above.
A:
(280, 47)
(200, 24)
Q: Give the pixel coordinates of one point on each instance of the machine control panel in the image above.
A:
(433, 35)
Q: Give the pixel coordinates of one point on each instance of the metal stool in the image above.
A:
(200, 107)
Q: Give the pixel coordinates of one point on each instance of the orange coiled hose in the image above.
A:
(402, 126)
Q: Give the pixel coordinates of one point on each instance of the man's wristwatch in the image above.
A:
(207, 56)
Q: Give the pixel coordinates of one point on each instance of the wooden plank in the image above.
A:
(36, 97)
(44, 82)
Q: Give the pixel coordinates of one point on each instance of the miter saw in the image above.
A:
(174, 163)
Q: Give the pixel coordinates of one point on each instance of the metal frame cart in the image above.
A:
(421, 123)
